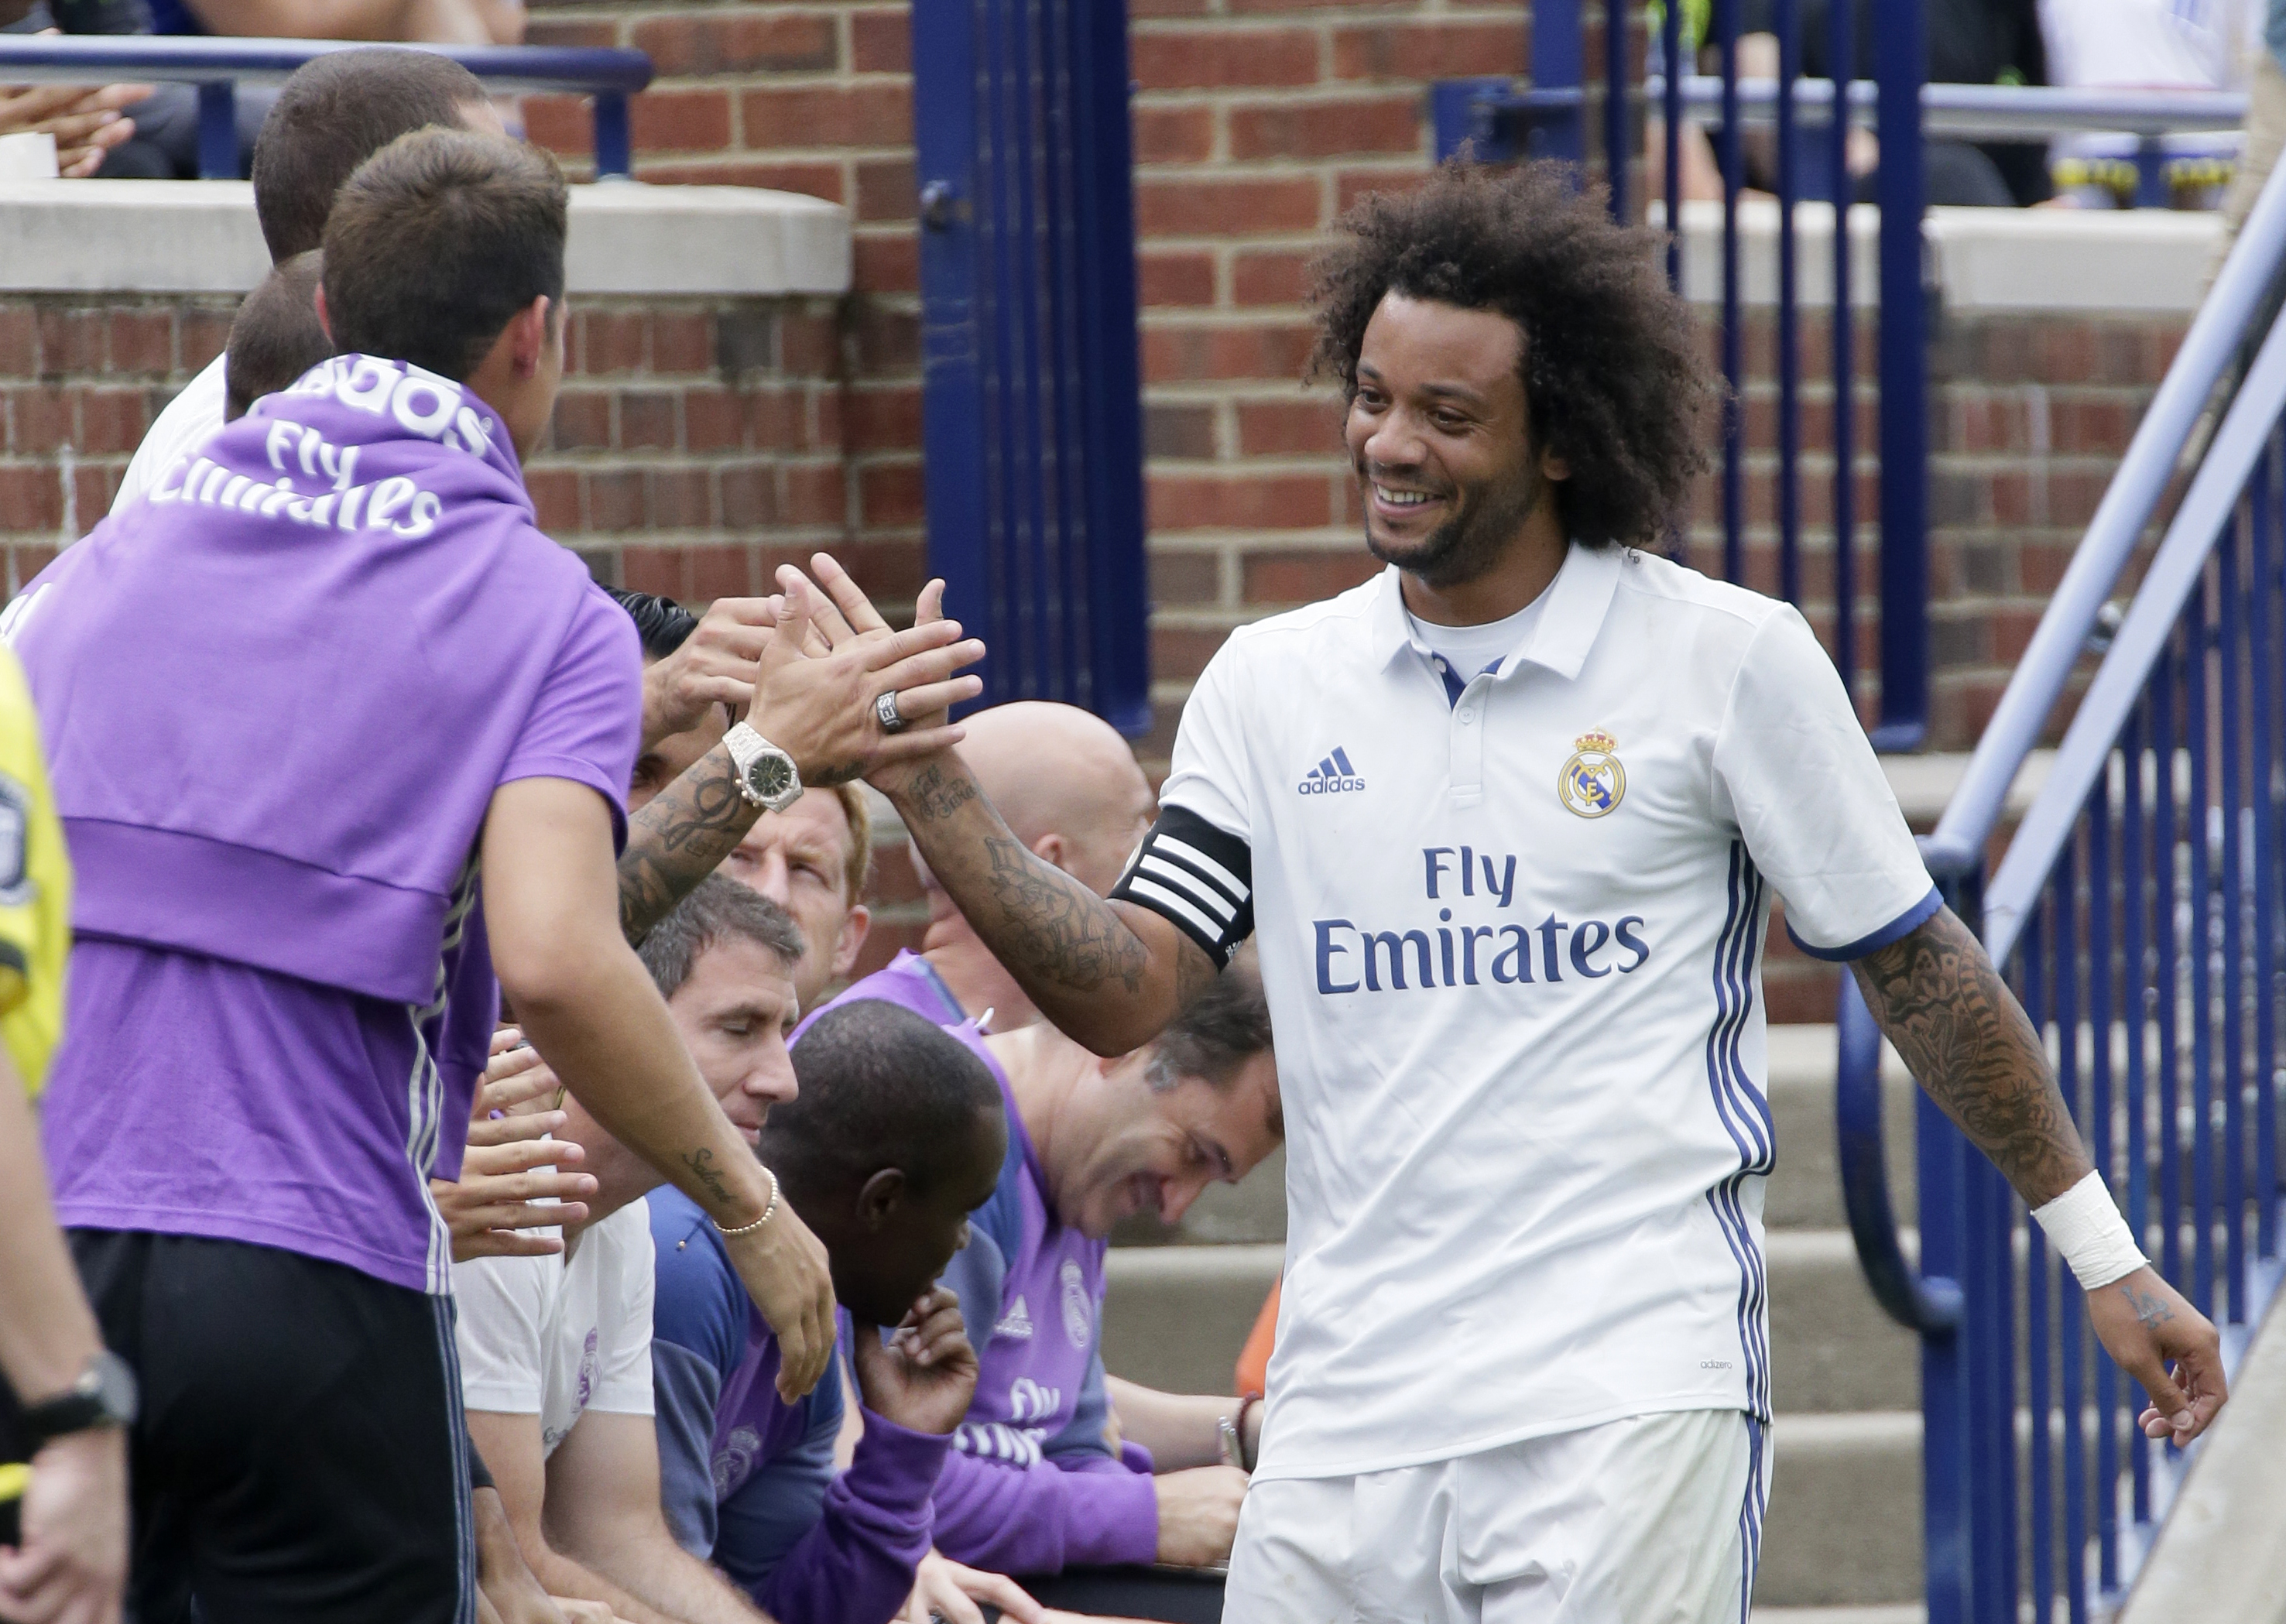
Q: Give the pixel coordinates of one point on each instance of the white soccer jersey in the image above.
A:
(541, 1336)
(1512, 939)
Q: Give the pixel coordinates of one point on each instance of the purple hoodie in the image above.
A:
(1031, 1486)
(278, 694)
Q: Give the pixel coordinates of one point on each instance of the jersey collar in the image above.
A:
(1577, 600)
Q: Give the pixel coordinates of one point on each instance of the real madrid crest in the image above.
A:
(1592, 781)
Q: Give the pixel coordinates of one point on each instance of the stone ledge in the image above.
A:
(1987, 261)
(126, 236)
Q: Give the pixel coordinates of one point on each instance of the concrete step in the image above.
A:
(1845, 1520)
(1805, 1192)
(1175, 1318)
(1832, 1347)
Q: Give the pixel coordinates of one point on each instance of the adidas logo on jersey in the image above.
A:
(1331, 776)
(1017, 1322)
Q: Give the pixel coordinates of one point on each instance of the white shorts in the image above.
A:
(1656, 1519)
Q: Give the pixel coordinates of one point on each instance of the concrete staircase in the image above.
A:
(1843, 1542)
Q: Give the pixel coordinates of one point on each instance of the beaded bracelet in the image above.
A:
(768, 1212)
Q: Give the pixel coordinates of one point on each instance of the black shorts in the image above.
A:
(300, 1454)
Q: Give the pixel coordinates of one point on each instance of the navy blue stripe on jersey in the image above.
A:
(1896, 930)
(1746, 1116)
(1196, 877)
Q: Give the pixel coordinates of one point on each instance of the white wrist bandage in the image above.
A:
(2088, 1231)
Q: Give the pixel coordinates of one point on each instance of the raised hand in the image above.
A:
(86, 122)
(818, 708)
(923, 1376)
(717, 664)
(2168, 1346)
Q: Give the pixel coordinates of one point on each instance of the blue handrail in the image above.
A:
(218, 65)
(1974, 813)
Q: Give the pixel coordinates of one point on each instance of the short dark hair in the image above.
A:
(1612, 376)
(663, 624)
(716, 908)
(276, 335)
(1226, 1026)
(437, 240)
(333, 113)
(880, 1087)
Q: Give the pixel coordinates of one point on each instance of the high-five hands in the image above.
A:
(829, 659)
(716, 665)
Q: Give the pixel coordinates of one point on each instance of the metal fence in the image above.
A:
(1031, 403)
(2137, 912)
(219, 67)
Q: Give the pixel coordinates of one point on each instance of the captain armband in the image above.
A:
(1196, 876)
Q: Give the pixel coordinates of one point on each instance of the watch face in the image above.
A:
(771, 775)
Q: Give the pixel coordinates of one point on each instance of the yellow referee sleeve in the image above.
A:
(35, 888)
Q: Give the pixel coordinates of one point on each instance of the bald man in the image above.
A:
(1070, 790)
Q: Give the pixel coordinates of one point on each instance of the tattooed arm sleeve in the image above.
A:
(1937, 995)
(1112, 974)
(679, 839)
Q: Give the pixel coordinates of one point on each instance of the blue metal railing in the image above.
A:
(1551, 119)
(2137, 914)
(1032, 392)
(217, 66)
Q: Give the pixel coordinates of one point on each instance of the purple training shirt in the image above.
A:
(278, 694)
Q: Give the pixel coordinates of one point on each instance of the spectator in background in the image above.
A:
(276, 335)
(1970, 42)
(87, 124)
(555, 1353)
(2146, 44)
(812, 860)
(896, 1136)
(330, 116)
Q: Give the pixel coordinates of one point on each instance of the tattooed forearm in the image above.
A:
(701, 1163)
(1961, 1031)
(1053, 924)
(679, 840)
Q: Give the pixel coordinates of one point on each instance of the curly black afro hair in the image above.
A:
(1612, 375)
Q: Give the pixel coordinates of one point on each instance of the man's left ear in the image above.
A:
(1553, 466)
(852, 937)
(534, 331)
(880, 1197)
(318, 297)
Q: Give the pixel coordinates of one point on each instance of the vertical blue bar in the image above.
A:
(2199, 950)
(218, 131)
(1117, 578)
(1841, 53)
(2136, 994)
(2166, 695)
(1619, 78)
(2105, 897)
(2063, 888)
(1670, 36)
(1900, 58)
(1734, 492)
(2264, 600)
(1949, 1384)
(1789, 23)
(958, 500)
(2038, 1001)
(614, 143)
(2231, 1073)
(1559, 58)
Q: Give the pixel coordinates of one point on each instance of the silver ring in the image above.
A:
(885, 709)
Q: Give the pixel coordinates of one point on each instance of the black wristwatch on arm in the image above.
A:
(103, 1396)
